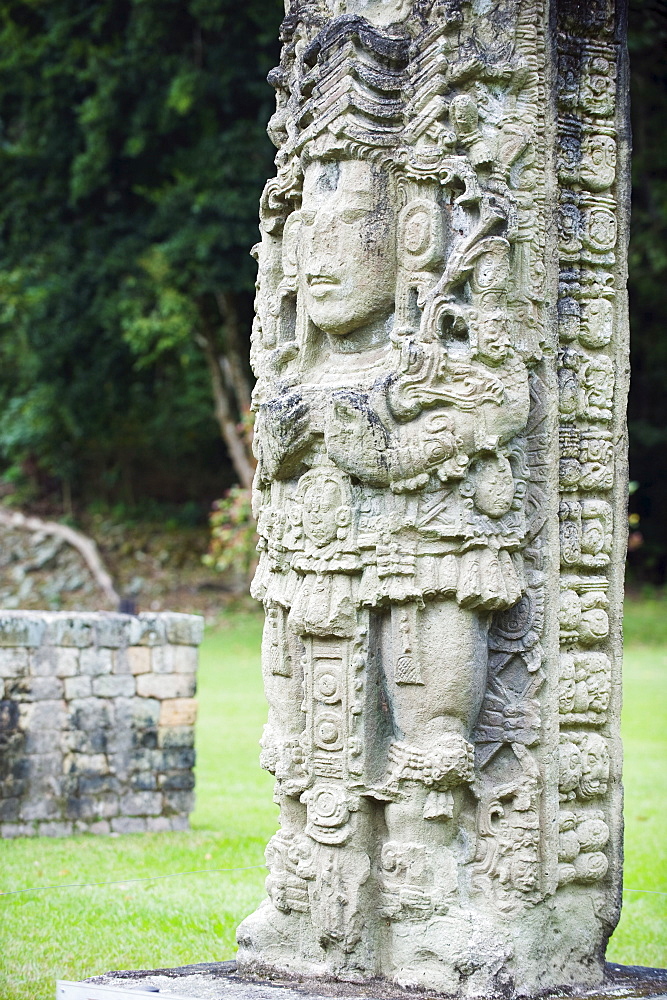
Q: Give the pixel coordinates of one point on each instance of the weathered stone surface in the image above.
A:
(81, 747)
(70, 630)
(42, 741)
(44, 688)
(78, 687)
(180, 823)
(114, 686)
(101, 826)
(165, 685)
(21, 629)
(128, 824)
(147, 630)
(47, 714)
(162, 660)
(14, 663)
(221, 981)
(120, 663)
(141, 804)
(139, 658)
(95, 661)
(442, 375)
(185, 630)
(158, 824)
(179, 805)
(58, 829)
(112, 631)
(175, 736)
(177, 712)
(182, 659)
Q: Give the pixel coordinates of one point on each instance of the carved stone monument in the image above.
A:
(441, 354)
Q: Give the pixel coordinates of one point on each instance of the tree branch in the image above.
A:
(84, 545)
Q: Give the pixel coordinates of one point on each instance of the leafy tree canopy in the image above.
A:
(132, 155)
(648, 287)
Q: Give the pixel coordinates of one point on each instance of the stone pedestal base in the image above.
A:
(219, 981)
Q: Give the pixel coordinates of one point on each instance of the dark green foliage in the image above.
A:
(132, 155)
(648, 285)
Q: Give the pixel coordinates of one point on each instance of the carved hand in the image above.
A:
(284, 434)
(424, 446)
(355, 438)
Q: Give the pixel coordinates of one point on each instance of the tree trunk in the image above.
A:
(239, 452)
(232, 362)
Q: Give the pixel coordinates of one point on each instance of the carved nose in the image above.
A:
(322, 231)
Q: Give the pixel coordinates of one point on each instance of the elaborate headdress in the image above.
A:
(420, 101)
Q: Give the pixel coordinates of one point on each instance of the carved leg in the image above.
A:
(434, 665)
(434, 662)
(449, 647)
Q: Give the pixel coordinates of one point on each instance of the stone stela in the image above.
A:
(441, 355)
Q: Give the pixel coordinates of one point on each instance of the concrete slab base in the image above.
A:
(219, 981)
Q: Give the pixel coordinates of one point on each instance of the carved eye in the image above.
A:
(308, 218)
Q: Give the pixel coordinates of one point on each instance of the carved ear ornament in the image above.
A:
(420, 234)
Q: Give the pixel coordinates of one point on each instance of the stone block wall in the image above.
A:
(97, 716)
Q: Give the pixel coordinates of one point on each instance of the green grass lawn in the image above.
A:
(75, 933)
(641, 936)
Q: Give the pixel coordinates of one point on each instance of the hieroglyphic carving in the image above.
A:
(583, 837)
(406, 440)
(584, 688)
(591, 420)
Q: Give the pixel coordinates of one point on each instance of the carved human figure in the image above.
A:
(584, 765)
(404, 436)
(394, 458)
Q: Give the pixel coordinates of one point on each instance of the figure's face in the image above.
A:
(523, 873)
(595, 623)
(602, 229)
(598, 327)
(569, 614)
(598, 691)
(346, 246)
(493, 339)
(593, 834)
(320, 507)
(593, 537)
(595, 768)
(494, 486)
(598, 384)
